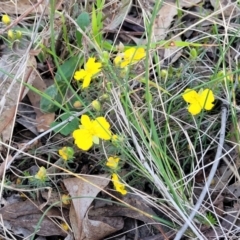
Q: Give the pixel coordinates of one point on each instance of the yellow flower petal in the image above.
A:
(130, 56)
(120, 187)
(194, 109)
(102, 128)
(90, 63)
(117, 60)
(135, 54)
(79, 75)
(41, 174)
(66, 153)
(86, 81)
(207, 99)
(112, 162)
(63, 154)
(83, 139)
(92, 67)
(125, 63)
(86, 121)
(190, 96)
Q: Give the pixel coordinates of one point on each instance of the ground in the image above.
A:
(119, 119)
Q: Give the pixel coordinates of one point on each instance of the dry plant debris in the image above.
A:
(119, 119)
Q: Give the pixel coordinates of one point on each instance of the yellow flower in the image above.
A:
(66, 153)
(86, 74)
(6, 19)
(90, 131)
(65, 199)
(120, 187)
(41, 174)
(198, 101)
(130, 56)
(112, 162)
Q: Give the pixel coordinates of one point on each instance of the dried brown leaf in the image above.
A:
(166, 15)
(21, 6)
(27, 215)
(228, 7)
(83, 193)
(116, 16)
(12, 91)
(100, 227)
(121, 211)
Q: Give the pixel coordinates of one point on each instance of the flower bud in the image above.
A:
(120, 47)
(11, 35)
(18, 34)
(6, 19)
(66, 153)
(193, 53)
(96, 105)
(77, 104)
(164, 73)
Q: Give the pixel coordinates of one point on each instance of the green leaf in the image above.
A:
(69, 127)
(97, 25)
(83, 22)
(52, 99)
(67, 69)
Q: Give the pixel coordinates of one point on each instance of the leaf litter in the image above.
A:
(86, 220)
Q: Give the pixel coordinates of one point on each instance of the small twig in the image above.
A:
(211, 175)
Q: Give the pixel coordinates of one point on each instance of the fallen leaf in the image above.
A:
(189, 3)
(82, 194)
(165, 17)
(12, 91)
(52, 197)
(115, 16)
(21, 6)
(163, 21)
(27, 215)
(26, 116)
(227, 7)
(121, 211)
(100, 227)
